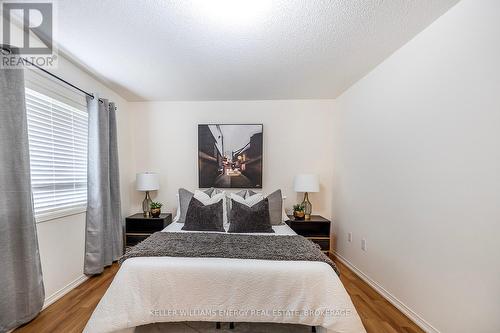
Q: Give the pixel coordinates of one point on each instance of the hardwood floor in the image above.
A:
(377, 314)
(71, 312)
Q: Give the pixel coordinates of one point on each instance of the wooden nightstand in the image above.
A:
(316, 229)
(138, 227)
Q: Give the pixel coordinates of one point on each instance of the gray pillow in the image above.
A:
(242, 193)
(249, 193)
(276, 207)
(185, 197)
(228, 202)
(210, 191)
(204, 218)
(253, 219)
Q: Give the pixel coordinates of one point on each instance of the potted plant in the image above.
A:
(155, 209)
(298, 211)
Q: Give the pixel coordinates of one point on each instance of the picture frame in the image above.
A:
(230, 155)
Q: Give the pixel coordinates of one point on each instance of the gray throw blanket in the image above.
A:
(219, 245)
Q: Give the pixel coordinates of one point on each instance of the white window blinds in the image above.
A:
(57, 136)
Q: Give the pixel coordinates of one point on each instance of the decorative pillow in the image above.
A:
(250, 193)
(215, 191)
(238, 196)
(245, 193)
(276, 211)
(200, 217)
(210, 191)
(249, 201)
(253, 219)
(184, 198)
(216, 196)
(276, 207)
(242, 193)
(206, 198)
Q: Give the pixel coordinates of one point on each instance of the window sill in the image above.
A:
(59, 214)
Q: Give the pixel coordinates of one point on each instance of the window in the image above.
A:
(57, 134)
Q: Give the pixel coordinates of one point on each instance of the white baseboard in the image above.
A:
(421, 322)
(64, 290)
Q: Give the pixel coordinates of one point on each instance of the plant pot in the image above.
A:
(299, 215)
(155, 212)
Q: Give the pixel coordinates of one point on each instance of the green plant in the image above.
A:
(155, 205)
(298, 208)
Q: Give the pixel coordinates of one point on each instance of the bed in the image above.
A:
(150, 290)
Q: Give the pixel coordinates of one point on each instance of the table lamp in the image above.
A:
(306, 183)
(147, 181)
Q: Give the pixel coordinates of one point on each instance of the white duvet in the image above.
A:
(166, 289)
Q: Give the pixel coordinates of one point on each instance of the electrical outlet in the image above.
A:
(349, 237)
(363, 244)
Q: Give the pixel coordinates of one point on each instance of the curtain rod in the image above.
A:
(5, 48)
(60, 79)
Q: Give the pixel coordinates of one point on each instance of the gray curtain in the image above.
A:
(104, 227)
(21, 285)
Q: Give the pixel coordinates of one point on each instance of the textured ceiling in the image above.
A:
(282, 49)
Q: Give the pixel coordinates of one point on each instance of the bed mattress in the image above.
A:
(150, 290)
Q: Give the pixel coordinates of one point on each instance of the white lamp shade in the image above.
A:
(306, 183)
(147, 181)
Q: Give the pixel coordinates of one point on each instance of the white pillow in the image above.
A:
(238, 198)
(207, 200)
(249, 201)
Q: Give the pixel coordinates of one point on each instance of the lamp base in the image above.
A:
(146, 205)
(307, 207)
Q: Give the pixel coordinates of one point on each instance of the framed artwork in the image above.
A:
(230, 155)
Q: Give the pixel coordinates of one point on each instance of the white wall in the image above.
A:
(62, 245)
(417, 171)
(297, 139)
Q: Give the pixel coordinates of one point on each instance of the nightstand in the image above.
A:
(316, 229)
(138, 227)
